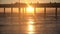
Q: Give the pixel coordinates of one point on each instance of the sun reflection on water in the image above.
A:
(30, 25)
(30, 21)
(30, 29)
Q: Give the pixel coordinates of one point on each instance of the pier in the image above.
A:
(34, 5)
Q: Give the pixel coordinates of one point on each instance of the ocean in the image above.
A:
(29, 23)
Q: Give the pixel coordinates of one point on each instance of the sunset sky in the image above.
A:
(24, 1)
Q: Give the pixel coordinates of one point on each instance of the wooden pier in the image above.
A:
(34, 5)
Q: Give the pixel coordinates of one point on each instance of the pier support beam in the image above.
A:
(19, 11)
(23, 13)
(56, 18)
(19, 14)
(11, 10)
(11, 15)
(4, 10)
(35, 11)
(56, 13)
(45, 12)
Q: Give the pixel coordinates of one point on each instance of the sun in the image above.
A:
(30, 9)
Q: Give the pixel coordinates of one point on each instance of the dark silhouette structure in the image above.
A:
(35, 5)
(24, 5)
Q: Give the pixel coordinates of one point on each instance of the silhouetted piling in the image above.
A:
(23, 13)
(35, 11)
(4, 10)
(56, 13)
(11, 14)
(44, 12)
(11, 10)
(19, 11)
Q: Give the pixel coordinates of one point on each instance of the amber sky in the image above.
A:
(23, 1)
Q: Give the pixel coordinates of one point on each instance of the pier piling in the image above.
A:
(44, 12)
(4, 10)
(56, 13)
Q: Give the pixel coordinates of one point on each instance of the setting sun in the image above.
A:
(30, 9)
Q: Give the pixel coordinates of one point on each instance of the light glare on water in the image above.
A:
(30, 28)
(29, 24)
(30, 21)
